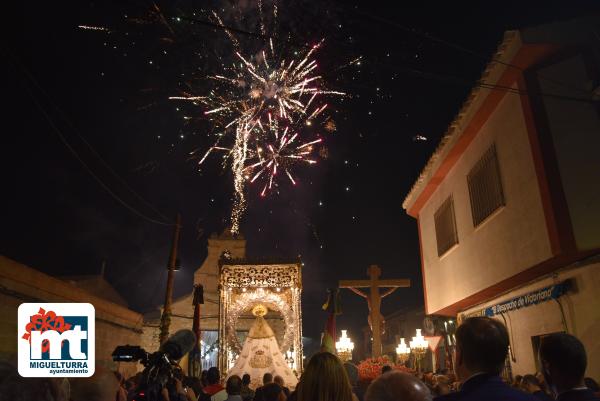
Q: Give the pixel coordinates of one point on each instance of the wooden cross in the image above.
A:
(376, 320)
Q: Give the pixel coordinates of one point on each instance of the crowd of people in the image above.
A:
(481, 350)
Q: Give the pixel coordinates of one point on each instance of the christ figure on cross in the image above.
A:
(376, 321)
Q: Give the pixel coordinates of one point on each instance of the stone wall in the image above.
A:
(115, 325)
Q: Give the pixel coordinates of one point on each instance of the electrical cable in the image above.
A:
(460, 48)
(84, 164)
(108, 167)
(424, 73)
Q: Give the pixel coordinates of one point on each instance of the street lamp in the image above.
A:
(402, 351)
(290, 357)
(344, 347)
(419, 346)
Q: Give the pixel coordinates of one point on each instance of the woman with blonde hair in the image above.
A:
(324, 379)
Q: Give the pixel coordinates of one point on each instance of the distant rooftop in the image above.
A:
(97, 285)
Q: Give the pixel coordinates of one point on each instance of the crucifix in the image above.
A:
(373, 298)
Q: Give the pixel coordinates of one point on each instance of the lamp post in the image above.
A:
(290, 357)
(402, 351)
(419, 346)
(344, 347)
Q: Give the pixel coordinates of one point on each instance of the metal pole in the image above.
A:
(165, 320)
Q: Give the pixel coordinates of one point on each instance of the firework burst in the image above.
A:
(276, 151)
(282, 86)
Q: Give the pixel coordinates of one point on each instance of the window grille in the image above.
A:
(445, 226)
(485, 187)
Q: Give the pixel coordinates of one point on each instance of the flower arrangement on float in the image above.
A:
(370, 368)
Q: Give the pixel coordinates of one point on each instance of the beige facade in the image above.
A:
(115, 324)
(579, 306)
(545, 128)
(508, 242)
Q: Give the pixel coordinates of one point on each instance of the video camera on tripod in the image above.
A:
(160, 367)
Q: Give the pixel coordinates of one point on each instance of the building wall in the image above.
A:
(582, 316)
(513, 239)
(115, 325)
(575, 131)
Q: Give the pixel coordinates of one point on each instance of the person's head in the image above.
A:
(394, 386)
(518, 380)
(591, 384)
(441, 389)
(563, 360)
(530, 384)
(279, 380)
(324, 379)
(233, 385)
(246, 379)
(352, 372)
(267, 378)
(481, 346)
(385, 369)
(273, 392)
(213, 376)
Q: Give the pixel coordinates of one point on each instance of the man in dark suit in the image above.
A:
(481, 349)
(563, 360)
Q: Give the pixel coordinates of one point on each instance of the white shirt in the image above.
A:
(220, 396)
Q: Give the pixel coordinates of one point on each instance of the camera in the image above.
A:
(160, 367)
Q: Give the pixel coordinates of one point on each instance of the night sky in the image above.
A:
(110, 90)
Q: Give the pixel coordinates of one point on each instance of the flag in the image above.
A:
(333, 307)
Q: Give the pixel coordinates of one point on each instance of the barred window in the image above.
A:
(445, 226)
(485, 187)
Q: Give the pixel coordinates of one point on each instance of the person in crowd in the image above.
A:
(214, 390)
(203, 378)
(393, 386)
(542, 380)
(233, 387)
(429, 380)
(532, 385)
(324, 379)
(273, 392)
(247, 393)
(279, 380)
(13, 387)
(442, 385)
(592, 385)
(385, 369)
(195, 384)
(481, 349)
(563, 360)
(352, 372)
(178, 392)
(121, 391)
(267, 378)
(517, 382)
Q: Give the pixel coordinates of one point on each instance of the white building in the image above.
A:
(508, 206)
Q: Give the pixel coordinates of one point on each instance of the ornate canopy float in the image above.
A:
(243, 285)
